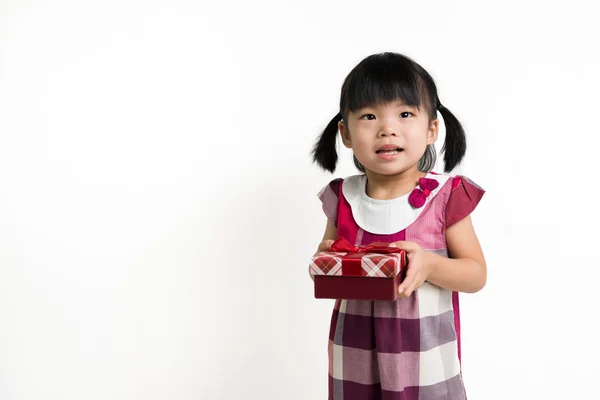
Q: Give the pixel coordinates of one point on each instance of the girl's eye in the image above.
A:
(404, 114)
(368, 116)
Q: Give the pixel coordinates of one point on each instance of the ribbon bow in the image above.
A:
(418, 196)
(343, 246)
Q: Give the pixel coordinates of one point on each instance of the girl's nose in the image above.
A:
(387, 131)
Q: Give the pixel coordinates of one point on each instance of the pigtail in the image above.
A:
(455, 145)
(324, 151)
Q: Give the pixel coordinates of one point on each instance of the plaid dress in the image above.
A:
(408, 348)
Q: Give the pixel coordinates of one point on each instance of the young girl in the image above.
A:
(408, 348)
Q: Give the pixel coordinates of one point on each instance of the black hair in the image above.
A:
(382, 78)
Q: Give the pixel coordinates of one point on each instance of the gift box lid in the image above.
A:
(377, 260)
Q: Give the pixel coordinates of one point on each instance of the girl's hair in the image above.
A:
(383, 78)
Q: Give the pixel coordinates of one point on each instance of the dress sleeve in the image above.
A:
(329, 199)
(463, 199)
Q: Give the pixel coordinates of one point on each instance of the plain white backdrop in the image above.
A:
(158, 203)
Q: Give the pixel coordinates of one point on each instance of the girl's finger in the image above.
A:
(406, 246)
(414, 286)
(404, 285)
(326, 244)
(408, 280)
(410, 285)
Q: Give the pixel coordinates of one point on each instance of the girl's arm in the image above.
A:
(466, 270)
(329, 236)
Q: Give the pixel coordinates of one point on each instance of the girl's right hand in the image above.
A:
(325, 245)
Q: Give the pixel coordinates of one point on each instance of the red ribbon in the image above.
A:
(343, 246)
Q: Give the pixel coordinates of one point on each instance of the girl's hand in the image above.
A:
(325, 245)
(418, 268)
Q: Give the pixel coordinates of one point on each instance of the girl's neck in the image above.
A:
(387, 187)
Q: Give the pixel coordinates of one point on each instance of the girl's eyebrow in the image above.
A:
(398, 103)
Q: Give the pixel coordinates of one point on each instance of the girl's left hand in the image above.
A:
(418, 268)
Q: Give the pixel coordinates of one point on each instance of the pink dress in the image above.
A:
(408, 348)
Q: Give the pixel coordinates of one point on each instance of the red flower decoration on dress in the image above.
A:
(418, 196)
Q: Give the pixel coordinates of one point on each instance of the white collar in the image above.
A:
(384, 217)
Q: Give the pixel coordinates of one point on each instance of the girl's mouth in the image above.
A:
(388, 152)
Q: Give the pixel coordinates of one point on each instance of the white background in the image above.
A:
(158, 203)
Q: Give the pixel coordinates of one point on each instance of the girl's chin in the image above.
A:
(389, 169)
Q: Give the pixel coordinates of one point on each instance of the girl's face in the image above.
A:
(389, 138)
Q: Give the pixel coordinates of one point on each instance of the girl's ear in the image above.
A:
(343, 128)
(432, 132)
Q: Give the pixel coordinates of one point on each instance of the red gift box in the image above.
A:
(371, 272)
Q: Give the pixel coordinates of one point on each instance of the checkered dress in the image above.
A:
(408, 348)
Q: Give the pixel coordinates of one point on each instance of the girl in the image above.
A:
(408, 348)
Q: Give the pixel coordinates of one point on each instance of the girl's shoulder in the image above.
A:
(458, 180)
(463, 197)
(333, 186)
(328, 195)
